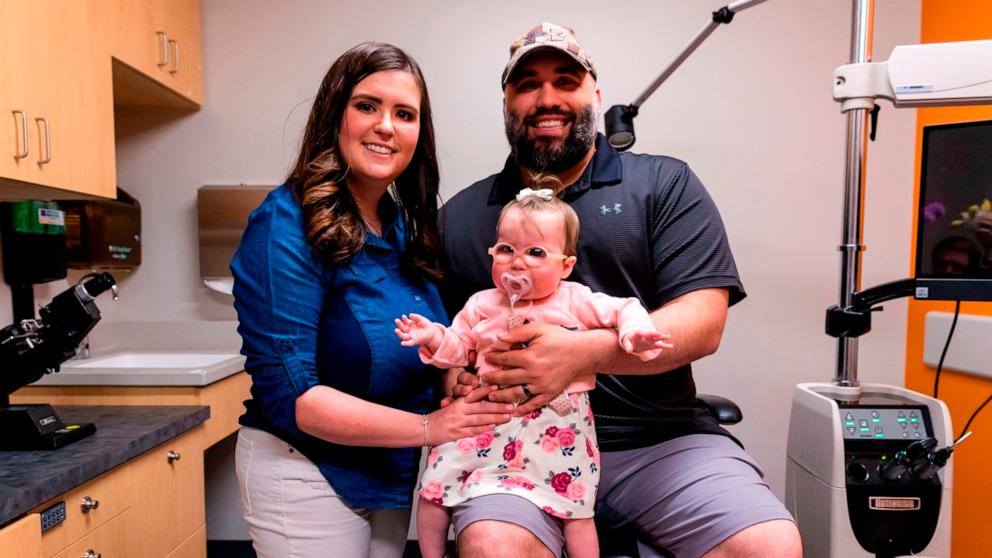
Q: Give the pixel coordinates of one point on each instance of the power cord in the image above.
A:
(940, 366)
(964, 431)
(947, 344)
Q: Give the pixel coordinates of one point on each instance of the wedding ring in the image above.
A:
(527, 392)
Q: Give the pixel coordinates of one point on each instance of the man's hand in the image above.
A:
(553, 358)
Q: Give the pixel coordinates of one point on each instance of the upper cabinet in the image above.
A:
(56, 99)
(161, 40)
(59, 86)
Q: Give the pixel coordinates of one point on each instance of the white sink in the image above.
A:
(135, 368)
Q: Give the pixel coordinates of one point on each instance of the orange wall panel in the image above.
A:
(942, 21)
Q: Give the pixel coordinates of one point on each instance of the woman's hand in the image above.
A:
(467, 416)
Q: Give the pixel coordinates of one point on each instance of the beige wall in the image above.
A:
(750, 111)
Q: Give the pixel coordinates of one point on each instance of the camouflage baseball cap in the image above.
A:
(547, 36)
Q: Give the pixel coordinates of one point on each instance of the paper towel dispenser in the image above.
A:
(222, 214)
(103, 234)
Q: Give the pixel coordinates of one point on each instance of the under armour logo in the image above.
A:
(615, 210)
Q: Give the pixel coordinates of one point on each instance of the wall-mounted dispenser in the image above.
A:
(103, 234)
(222, 215)
(33, 237)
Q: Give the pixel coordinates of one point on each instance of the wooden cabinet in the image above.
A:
(56, 99)
(194, 547)
(169, 505)
(22, 539)
(151, 506)
(88, 507)
(161, 40)
(59, 86)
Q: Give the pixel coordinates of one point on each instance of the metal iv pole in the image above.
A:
(854, 172)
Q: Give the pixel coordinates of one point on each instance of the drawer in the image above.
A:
(105, 497)
(107, 541)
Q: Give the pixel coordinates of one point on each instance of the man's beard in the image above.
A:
(541, 155)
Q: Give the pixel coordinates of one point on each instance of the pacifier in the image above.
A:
(516, 286)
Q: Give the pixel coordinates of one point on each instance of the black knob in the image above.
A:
(894, 468)
(857, 472)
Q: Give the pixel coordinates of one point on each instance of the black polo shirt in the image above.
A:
(648, 229)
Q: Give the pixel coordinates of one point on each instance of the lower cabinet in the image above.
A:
(149, 507)
(194, 547)
(168, 492)
(21, 538)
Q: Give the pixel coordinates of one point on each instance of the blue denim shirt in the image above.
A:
(305, 323)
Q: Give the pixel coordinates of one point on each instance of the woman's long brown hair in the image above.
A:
(334, 226)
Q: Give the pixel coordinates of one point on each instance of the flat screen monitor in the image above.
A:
(954, 217)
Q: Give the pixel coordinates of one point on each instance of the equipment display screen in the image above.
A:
(955, 206)
(884, 423)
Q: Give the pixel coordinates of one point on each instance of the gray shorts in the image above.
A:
(682, 497)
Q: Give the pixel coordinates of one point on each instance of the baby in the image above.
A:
(550, 456)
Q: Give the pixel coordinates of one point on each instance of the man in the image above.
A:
(670, 474)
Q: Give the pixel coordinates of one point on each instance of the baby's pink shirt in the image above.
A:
(573, 306)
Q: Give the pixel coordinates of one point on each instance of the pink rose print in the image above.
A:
(469, 479)
(512, 448)
(549, 443)
(533, 415)
(551, 511)
(576, 491)
(432, 457)
(551, 431)
(574, 399)
(566, 437)
(560, 483)
(465, 445)
(432, 491)
(484, 440)
(517, 482)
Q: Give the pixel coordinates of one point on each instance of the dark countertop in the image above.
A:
(31, 478)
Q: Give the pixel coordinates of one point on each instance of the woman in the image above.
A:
(325, 456)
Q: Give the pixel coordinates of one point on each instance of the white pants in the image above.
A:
(292, 512)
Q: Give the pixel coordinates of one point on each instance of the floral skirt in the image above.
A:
(549, 459)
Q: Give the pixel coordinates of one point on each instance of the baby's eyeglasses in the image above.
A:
(534, 256)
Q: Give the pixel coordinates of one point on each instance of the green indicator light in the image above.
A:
(914, 419)
(876, 420)
(879, 435)
(866, 429)
(901, 419)
(849, 423)
(884, 457)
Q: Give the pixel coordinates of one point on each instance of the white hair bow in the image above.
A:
(544, 193)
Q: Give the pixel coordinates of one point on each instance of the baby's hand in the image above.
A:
(416, 330)
(640, 341)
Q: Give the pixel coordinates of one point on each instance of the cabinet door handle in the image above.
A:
(23, 117)
(88, 504)
(43, 125)
(92, 554)
(163, 49)
(173, 456)
(175, 56)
